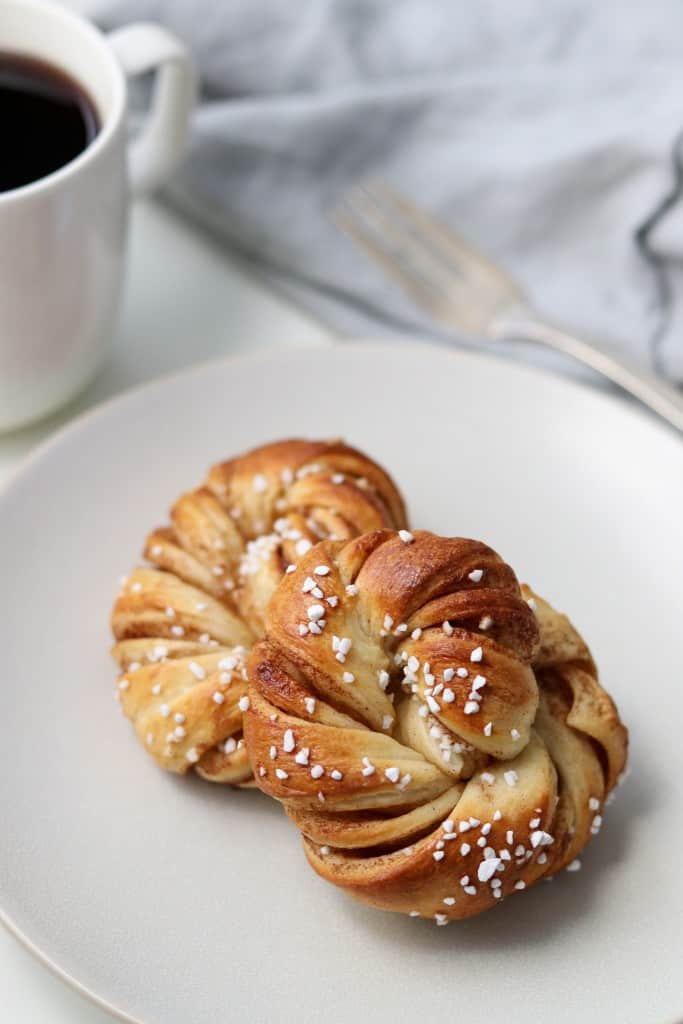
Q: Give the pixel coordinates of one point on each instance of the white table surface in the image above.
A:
(186, 301)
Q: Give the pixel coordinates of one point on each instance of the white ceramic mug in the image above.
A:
(62, 237)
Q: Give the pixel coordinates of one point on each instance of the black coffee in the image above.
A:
(46, 120)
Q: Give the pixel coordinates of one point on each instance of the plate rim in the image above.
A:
(71, 982)
(614, 399)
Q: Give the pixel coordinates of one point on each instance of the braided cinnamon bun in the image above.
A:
(185, 625)
(439, 743)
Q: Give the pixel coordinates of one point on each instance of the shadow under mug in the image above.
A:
(62, 237)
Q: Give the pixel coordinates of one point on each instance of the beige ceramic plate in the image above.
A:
(175, 902)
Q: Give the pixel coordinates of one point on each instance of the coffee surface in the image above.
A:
(46, 120)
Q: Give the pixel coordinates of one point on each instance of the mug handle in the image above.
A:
(155, 151)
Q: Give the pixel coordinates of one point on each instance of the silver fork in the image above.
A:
(460, 287)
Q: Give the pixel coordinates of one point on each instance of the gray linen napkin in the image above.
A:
(544, 130)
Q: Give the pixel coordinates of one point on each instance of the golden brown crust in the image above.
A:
(581, 728)
(213, 571)
(434, 750)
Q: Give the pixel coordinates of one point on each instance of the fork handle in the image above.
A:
(660, 396)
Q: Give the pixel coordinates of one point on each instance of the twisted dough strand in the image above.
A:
(184, 626)
(436, 753)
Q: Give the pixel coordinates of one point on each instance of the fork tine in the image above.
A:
(455, 284)
(421, 288)
(458, 253)
(395, 236)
